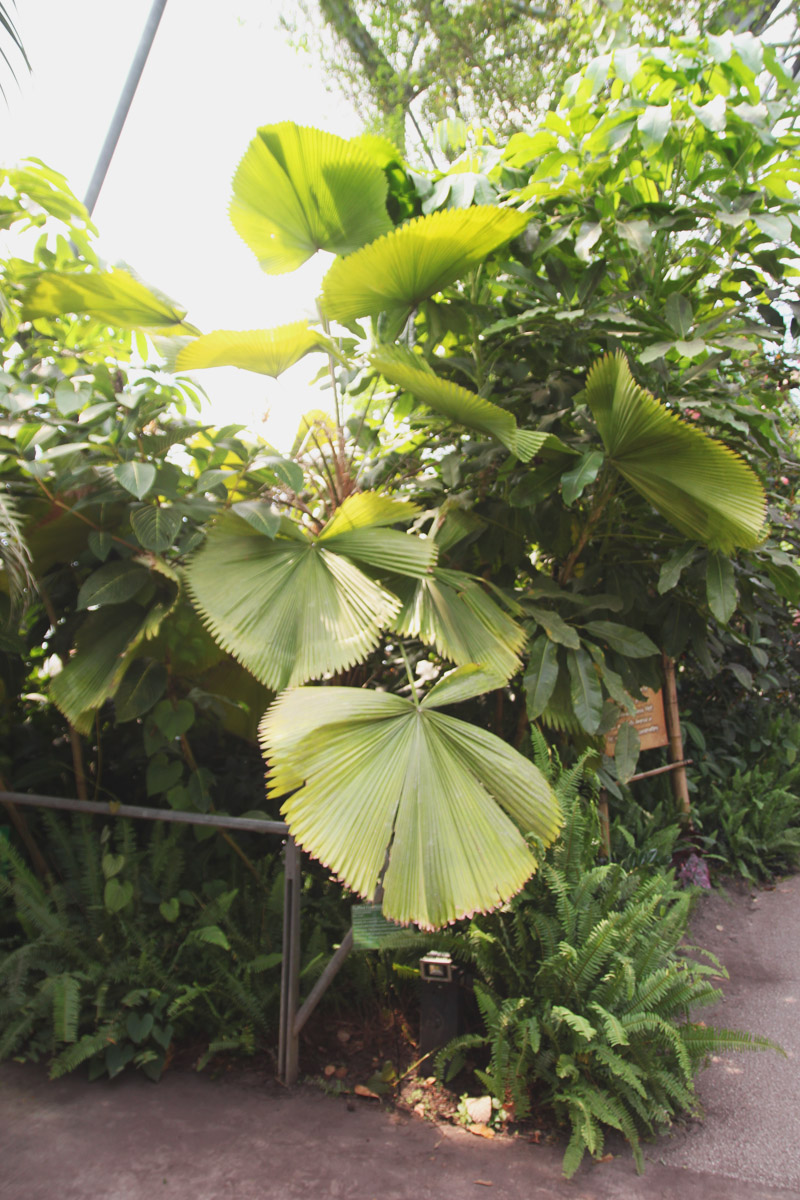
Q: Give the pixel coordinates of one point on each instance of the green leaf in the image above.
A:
(714, 115)
(139, 1026)
(575, 481)
(700, 486)
(416, 260)
(211, 935)
(554, 626)
(679, 314)
(68, 399)
(300, 609)
(260, 515)
(588, 235)
(540, 676)
(265, 351)
(174, 719)
(674, 566)
(585, 689)
(410, 372)
(170, 909)
(775, 226)
(638, 234)
(113, 583)
(114, 296)
(136, 477)
(162, 774)
(103, 646)
(371, 772)
(654, 125)
(298, 190)
(721, 587)
(100, 543)
(117, 895)
(112, 864)
(143, 684)
(453, 612)
(630, 642)
(626, 751)
(156, 527)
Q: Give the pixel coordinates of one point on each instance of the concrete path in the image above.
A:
(245, 1138)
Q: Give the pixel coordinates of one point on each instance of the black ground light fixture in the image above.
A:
(439, 1000)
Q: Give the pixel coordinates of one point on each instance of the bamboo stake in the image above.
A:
(680, 786)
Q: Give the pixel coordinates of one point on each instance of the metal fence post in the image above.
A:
(288, 1041)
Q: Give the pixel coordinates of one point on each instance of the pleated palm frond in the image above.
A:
(300, 607)
(373, 772)
(698, 484)
(451, 611)
(15, 557)
(416, 260)
(410, 372)
(265, 351)
(298, 190)
(104, 645)
(114, 296)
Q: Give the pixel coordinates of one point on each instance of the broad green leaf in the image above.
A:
(100, 543)
(721, 587)
(585, 690)
(265, 351)
(575, 481)
(358, 529)
(540, 676)
(143, 685)
(626, 751)
(554, 626)
(588, 235)
(372, 773)
(412, 373)
(630, 642)
(679, 314)
(673, 568)
(452, 611)
(114, 296)
(654, 124)
(156, 526)
(117, 894)
(68, 400)
(698, 484)
(298, 190)
(416, 260)
(714, 115)
(260, 515)
(743, 676)
(777, 227)
(136, 477)
(638, 234)
(300, 608)
(103, 647)
(174, 719)
(162, 774)
(113, 583)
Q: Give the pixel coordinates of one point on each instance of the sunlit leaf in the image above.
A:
(298, 190)
(265, 351)
(103, 647)
(113, 296)
(419, 258)
(698, 484)
(449, 801)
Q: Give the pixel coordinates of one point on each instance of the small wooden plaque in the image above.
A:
(648, 721)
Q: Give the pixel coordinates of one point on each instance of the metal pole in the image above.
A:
(323, 983)
(124, 104)
(288, 1043)
(215, 820)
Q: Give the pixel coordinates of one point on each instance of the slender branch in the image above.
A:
(606, 492)
(74, 738)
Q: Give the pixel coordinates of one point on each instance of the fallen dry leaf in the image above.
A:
(343, 1036)
(341, 1072)
(479, 1109)
(329, 1070)
(360, 1090)
(481, 1131)
(484, 1182)
(606, 1158)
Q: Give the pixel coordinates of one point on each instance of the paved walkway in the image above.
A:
(191, 1138)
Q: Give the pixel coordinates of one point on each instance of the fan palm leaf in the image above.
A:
(698, 484)
(298, 190)
(416, 260)
(265, 351)
(113, 296)
(451, 611)
(373, 772)
(15, 556)
(410, 372)
(103, 649)
(301, 608)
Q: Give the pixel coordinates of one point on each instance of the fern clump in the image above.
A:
(586, 993)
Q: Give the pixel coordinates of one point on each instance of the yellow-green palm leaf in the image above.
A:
(698, 484)
(417, 259)
(300, 608)
(410, 372)
(451, 611)
(265, 351)
(298, 190)
(113, 296)
(373, 772)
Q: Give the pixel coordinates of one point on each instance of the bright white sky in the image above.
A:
(217, 70)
